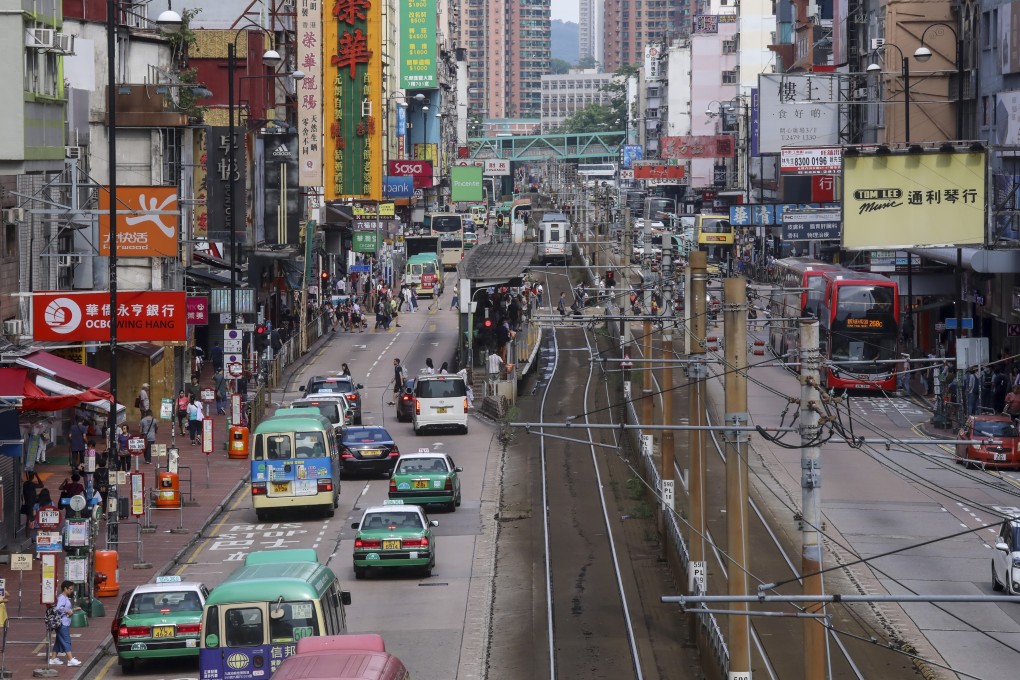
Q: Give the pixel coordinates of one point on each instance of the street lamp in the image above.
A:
(905, 73)
(169, 22)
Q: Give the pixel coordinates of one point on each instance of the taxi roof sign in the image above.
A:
(168, 579)
(393, 501)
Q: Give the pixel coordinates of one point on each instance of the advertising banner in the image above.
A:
(142, 316)
(309, 93)
(698, 146)
(410, 168)
(352, 97)
(197, 310)
(755, 117)
(1007, 118)
(398, 187)
(281, 200)
(418, 44)
(217, 147)
(364, 241)
(631, 153)
(913, 200)
(497, 167)
(370, 211)
(798, 110)
(811, 161)
(658, 172)
(147, 221)
(466, 184)
(200, 186)
(812, 225)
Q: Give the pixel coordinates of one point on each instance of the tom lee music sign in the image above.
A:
(142, 316)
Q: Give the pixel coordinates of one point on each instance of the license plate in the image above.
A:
(391, 544)
(370, 453)
(442, 409)
(1000, 457)
(281, 487)
(421, 484)
(162, 631)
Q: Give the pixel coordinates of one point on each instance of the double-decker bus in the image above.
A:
(258, 616)
(858, 318)
(443, 225)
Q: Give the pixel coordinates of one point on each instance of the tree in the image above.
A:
(588, 62)
(559, 66)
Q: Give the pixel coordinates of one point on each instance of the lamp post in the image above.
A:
(905, 73)
(923, 54)
(271, 57)
(169, 22)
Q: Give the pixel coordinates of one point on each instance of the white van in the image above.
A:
(440, 401)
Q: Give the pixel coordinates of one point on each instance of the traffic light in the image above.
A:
(324, 276)
(488, 322)
(499, 220)
(261, 337)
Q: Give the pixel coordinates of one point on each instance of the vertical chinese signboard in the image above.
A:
(418, 44)
(217, 154)
(352, 73)
(200, 226)
(309, 99)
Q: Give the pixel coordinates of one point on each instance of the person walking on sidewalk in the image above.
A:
(142, 399)
(220, 387)
(62, 643)
(195, 418)
(182, 410)
(123, 454)
(148, 428)
(77, 438)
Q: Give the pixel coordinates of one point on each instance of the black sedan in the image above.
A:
(369, 449)
(405, 403)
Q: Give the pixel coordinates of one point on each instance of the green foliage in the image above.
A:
(602, 117)
(587, 62)
(558, 66)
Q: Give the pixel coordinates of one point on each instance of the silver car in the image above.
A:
(1006, 558)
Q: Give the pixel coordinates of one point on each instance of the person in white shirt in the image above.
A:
(494, 364)
(430, 368)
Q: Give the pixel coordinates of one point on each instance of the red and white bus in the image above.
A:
(858, 315)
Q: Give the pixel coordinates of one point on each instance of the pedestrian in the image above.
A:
(123, 454)
(62, 643)
(217, 356)
(539, 293)
(148, 427)
(345, 370)
(398, 381)
(430, 368)
(561, 306)
(29, 496)
(77, 436)
(182, 410)
(195, 417)
(220, 387)
(455, 300)
(193, 389)
(1000, 386)
(903, 375)
(1012, 408)
(444, 369)
(463, 373)
(69, 488)
(494, 363)
(142, 399)
(972, 388)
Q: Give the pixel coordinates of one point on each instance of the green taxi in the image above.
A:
(158, 621)
(394, 535)
(426, 478)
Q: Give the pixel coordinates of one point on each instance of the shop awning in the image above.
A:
(92, 399)
(69, 371)
(144, 349)
(15, 384)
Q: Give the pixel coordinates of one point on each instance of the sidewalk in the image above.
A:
(162, 549)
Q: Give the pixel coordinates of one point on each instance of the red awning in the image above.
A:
(14, 384)
(61, 401)
(68, 371)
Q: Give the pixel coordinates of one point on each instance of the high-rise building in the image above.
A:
(629, 25)
(508, 52)
(590, 30)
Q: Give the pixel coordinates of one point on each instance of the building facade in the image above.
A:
(563, 94)
(590, 20)
(630, 25)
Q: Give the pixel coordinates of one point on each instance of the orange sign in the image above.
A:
(148, 220)
(658, 171)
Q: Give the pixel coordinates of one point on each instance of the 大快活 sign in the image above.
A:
(142, 316)
(147, 220)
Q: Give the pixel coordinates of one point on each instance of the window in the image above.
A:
(297, 621)
(729, 46)
(729, 77)
(244, 627)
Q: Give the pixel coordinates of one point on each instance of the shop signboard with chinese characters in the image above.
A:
(811, 225)
(309, 93)
(649, 170)
(364, 241)
(811, 161)
(418, 44)
(768, 214)
(142, 316)
(198, 310)
(497, 167)
(352, 78)
(798, 110)
(698, 146)
(218, 167)
(373, 211)
(148, 218)
(200, 186)
(913, 200)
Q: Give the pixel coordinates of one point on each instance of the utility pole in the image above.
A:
(698, 274)
(647, 400)
(811, 496)
(738, 545)
(668, 444)
(627, 251)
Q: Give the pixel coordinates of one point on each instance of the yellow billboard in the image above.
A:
(913, 200)
(352, 99)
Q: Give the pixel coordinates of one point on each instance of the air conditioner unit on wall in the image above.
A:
(68, 260)
(12, 215)
(73, 152)
(39, 38)
(13, 327)
(63, 43)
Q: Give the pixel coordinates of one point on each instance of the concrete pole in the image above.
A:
(738, 545)
(647, 398)
(811, 496)
(698, 273)
(627, 251)
(668, 444)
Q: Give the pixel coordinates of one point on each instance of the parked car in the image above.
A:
(999, 441)
(405, 403)
(368, 449)
(161, 620)
(338, 384)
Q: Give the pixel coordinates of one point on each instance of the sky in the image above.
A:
(565, 10)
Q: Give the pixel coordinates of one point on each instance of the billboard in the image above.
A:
(352, 75)
(309, 94)
(497, 167)
(698, 146)
(217, 155)
(398, 187)
(418, 44)
(811, 161)
(410, 168)
(200, 186)
(798, 110)
(466, 183)
(142, 316)
(148, 219)
(658, 172)
(913, 200)
(631, 153)
(278, 200)
(1007, 118)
